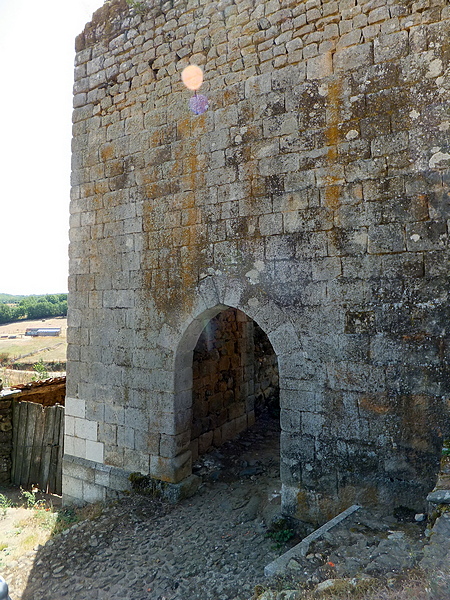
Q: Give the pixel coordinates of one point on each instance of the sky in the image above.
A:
(37, 41)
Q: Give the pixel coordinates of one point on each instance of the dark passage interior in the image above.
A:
(235, 379)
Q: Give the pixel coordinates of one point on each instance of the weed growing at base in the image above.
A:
(280, 532)
(4, 504)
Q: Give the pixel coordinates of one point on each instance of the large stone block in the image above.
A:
(353, 57)
(78, 469)
(386, 239)
(93, 493)
(75, 407)
(171, 470)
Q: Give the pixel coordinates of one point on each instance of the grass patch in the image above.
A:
(68, 516)
(446, 448)
(40, 518)
(30, 522)
(29, 498)
(29, 541)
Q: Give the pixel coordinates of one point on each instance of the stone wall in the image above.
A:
(234, 379)
(266, 377)
(5, 440)
(222, 387)
(312, 196)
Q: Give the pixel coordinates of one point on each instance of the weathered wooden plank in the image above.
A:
(32, 417)
(54, 462)
(38, 435)
(23, 435)
(52, 465)
(58, 483)
(20, 453)
(36, 449)
(47, 448)
(15, 424)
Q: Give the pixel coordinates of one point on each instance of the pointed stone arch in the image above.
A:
(216, 295)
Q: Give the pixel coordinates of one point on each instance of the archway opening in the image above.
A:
(235, 381)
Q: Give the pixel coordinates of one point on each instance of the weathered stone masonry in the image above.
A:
(312, 196)
(6, 436)
(235, 377)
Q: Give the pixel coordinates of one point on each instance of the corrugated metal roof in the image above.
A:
(37, 384)
(8, 392)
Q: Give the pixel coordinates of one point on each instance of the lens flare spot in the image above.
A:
(192, 77)
(198, 104)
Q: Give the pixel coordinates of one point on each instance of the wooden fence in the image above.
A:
(37, 447)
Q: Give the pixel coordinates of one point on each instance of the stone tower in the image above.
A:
(311, 198)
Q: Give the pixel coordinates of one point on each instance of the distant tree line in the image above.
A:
(33, 307)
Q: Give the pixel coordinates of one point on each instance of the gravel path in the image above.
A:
(214, 546)
(211, 546)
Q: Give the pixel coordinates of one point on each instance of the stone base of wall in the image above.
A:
(86, 481)
(382, 494)
(171, 492)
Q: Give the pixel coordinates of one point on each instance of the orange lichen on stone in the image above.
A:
(107, 152)
(333, 190)
(303, 507)
(375, 404)
(175, 287)
(332, 195)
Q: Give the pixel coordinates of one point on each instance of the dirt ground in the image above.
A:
(213, 546)
(217, 526)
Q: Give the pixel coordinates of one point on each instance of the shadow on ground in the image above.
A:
(211, 546)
